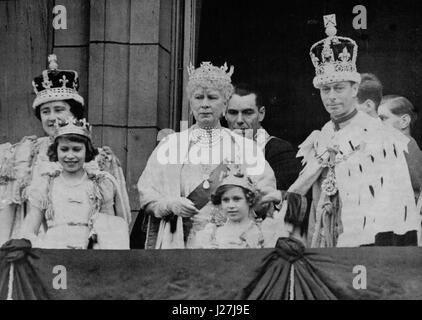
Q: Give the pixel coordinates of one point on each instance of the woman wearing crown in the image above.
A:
(185, 167)
(23, 163)
(76, 205)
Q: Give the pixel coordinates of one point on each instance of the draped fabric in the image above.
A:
(273, 278)
(17, 261)
(297, 211)
(392, 273)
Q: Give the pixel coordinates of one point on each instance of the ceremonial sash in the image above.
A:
(200, 196)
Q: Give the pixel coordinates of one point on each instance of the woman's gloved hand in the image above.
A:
(269, 194)
(182, 207)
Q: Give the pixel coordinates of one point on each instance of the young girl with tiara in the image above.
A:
(76, 205)
(233, 224)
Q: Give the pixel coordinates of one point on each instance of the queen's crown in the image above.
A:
(54, 84)
(209, 72)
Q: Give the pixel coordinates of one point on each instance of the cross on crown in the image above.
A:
(334, 57)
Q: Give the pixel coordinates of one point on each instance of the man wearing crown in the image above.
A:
(356, 168)
(25, 162)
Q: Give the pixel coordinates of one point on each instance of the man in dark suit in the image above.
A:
(369, 94)
(245, 112)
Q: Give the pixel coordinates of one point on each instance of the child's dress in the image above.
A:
(71, 209)
(23, 164)
(226, 237)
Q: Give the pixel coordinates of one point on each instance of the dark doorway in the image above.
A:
(268, 42)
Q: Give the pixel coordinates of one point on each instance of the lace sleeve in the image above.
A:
(108, 191)
(106, 161)
(15, 170)
(6, 165)
(37, 192)
(6, 174)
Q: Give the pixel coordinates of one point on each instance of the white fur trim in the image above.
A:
(336, 77)
(55, 94)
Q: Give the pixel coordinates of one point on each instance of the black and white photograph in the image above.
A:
(210, 153)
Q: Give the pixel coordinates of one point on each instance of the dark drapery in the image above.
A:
(392, 273)
(26, 284)
(274, 278)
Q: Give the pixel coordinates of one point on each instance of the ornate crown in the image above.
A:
(211, 76)
(334, 57)
(72, 126)
(54, 84)
(236, 177)
(209, 72)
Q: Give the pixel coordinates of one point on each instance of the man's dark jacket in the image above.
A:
(282, 158)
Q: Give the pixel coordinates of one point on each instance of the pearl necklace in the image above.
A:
(206, 136)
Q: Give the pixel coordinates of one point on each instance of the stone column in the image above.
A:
(129, 82)
(71, 44)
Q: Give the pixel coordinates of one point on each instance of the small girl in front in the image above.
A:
(74, 204)
(233, 224)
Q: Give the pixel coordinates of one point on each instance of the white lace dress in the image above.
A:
(69, 208)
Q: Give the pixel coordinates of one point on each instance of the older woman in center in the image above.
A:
(185, 167)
